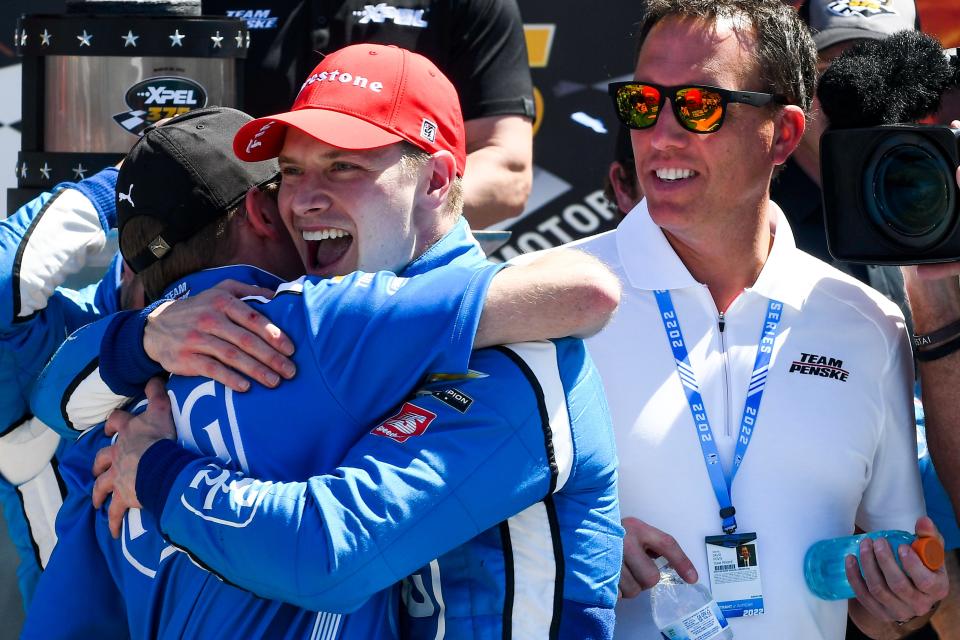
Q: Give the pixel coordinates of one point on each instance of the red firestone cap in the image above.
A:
(366, 96)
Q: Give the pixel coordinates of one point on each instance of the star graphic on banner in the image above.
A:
(176, 40)
(45, 38)
(23, 38)
(239, 38)
(130, 40)
(79, 171)
(45, 171)
(217, 39)
(23, 170)
(85, 38)
(248, 39)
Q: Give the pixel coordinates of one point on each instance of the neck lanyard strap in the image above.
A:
(721, 485)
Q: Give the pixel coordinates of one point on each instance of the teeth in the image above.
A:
(674, 174)
(326, 234)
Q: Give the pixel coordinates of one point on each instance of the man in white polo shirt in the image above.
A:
(735, 356)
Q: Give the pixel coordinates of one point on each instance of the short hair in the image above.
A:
(413, 158)
(211, 246)
(786, 54)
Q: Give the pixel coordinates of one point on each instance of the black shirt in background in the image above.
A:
(802, 203)
(478, 44)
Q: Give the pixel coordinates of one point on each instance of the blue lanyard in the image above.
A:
(751, 408)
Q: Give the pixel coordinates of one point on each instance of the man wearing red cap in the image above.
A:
(478, 44)
(504, 474)
(358, 103)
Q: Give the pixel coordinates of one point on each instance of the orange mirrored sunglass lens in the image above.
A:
(700, 110)
(639, 105)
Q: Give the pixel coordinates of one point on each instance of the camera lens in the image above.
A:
(909, 189)
(911, 193)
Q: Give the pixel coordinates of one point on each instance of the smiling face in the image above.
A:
(348, 210)
(697, 185)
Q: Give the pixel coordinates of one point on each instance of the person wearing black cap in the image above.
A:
(836, 26)
(162, 220)
(335, 323)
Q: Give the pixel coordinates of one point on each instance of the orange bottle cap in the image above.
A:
(930, 551)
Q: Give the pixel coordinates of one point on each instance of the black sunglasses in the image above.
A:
(698, 108)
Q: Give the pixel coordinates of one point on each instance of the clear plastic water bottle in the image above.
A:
(823, 566)
(685, 611)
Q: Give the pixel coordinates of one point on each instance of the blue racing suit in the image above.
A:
(49, 238)
(491, 489)
(340, 324)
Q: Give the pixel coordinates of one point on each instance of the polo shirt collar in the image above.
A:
(649, 261)
(779, 278)
(647, 258)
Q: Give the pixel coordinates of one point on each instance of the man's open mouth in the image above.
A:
(668, 174)
(326, 247)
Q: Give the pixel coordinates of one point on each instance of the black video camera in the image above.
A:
(890, 194)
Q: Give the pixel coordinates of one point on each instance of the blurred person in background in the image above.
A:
(836, 27)
(620, 184)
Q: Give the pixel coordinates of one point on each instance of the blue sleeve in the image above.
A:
(12, 232)
(77, 596)
(353, 321)
(70, 395)
(29, 568)
(42, 243)
(106, 293)
(49, 238)
(125, 366)
(100, 189)
(374, 336)
(444, 468)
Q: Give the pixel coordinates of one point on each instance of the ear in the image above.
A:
(263, 216)
(625, 186)
(442, 172)
(790, 124)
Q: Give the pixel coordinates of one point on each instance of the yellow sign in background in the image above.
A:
(539, 43)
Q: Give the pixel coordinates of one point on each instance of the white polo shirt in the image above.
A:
(827, 453)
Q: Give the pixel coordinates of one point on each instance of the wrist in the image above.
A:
(916, 620)
(933, 303)
(904, 628)
(150, 347)
(937, 344)
(100, 189)
(157, 471)
(124, 365)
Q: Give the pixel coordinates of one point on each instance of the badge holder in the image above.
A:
(734, 566)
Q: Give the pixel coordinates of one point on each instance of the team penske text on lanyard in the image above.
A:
(758, 380)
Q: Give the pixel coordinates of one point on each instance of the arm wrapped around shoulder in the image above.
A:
(554, 294)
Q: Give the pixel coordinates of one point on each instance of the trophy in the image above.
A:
(95, 77)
